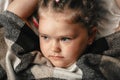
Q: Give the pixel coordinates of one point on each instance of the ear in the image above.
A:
(92, 35)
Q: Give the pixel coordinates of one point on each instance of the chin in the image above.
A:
(60, 65)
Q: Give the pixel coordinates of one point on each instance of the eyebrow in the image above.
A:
(42, 34)
(71, 36)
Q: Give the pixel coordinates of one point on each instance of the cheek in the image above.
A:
(43, 48)
(77, 47)
(71, 54)
(70, 50)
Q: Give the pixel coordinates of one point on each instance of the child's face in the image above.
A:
(61, 42)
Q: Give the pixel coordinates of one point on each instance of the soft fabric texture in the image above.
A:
(23, 62)
(4, 4)
(112, 22)
(32, 20)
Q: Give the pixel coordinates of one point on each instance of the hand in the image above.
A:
(23, 8)
(118, 3)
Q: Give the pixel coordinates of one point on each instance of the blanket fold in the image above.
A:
(100, 62)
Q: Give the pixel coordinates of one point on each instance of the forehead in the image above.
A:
(58, 25)
(66, 15)
(60, 18)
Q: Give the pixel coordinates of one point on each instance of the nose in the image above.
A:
(55, 47)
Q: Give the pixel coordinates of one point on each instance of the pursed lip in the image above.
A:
(56, 57)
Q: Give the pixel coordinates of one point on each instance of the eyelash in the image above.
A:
(44, 37)
(65, 39)
(62, 39)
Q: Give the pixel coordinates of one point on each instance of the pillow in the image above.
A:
(112, 19)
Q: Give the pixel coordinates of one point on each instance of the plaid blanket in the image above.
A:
(101, 61)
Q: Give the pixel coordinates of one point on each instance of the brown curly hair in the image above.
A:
(87, 12)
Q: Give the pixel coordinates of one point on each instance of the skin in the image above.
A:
(62, 42)
(22, 8)
(118, 3)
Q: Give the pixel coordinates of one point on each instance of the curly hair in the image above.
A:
(87, 12)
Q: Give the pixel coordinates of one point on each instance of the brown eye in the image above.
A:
(45, 37)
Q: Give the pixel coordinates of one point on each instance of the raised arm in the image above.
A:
(22, 8)
(118, 3)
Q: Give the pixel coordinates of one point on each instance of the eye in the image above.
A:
(65, 39)
(44, 37)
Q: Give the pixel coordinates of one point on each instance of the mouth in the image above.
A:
(56, 57)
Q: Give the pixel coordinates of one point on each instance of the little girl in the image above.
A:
(67, 28)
